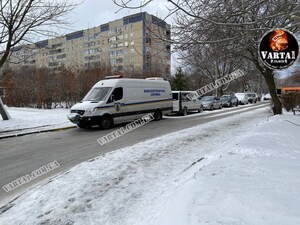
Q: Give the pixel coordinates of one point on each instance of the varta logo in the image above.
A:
(278, 55)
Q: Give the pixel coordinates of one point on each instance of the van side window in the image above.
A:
(116, 95)
(175, 96)
(184, 97)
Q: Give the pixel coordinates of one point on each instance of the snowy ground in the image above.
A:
(239, 170)
(27, 118)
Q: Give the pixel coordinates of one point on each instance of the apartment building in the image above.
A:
(138, 43)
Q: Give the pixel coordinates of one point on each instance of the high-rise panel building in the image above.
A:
(139, 43)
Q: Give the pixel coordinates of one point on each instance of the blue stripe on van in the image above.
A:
(135, 103)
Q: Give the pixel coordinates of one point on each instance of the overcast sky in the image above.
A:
(93, 13)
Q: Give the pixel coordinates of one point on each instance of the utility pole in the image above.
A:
(3, 111)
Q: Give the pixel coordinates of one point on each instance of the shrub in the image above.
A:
(290, 100)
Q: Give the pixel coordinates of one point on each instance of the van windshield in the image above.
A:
(97, 94)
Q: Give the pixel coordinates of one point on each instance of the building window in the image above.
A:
(113, 61)
(112, 39)
(119, 60)
(97, 35)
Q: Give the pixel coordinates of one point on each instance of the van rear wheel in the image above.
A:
(157, 115)
(184, 111)
(106, 122)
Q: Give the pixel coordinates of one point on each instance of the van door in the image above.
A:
(176, 101)
(117, 100)
(186, 102)
(193, 103)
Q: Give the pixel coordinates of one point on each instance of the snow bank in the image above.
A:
(26, 118)
(255, 180)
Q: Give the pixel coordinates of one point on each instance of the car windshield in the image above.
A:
(97, 94)
(208, 98)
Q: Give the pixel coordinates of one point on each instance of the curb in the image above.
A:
(36, 132)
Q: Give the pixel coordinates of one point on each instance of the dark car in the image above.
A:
(229, 100)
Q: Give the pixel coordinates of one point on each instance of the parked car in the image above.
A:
(229, 100)
(259, 97)
(242, 97)
(252, 97)
(211, 102)
(267, 97)
(182, 104)
(117, 100)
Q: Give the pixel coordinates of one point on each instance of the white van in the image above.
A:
(242, 97)
(182, 104)
(116, 100)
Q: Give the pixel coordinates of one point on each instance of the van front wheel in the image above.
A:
(106, 122)
(81, 125)
(157, 115)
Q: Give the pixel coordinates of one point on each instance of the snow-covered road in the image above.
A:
(237, 170)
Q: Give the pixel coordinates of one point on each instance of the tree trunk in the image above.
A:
(3, 112)
(268, 75)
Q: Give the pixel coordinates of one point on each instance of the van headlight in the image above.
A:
(90, 112)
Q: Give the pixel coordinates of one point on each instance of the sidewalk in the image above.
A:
(29, 121)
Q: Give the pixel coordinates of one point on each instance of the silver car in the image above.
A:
(252, 97)
(211, 103)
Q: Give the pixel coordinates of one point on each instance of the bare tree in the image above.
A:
(211, 62)
(22, 20)
(237, 25)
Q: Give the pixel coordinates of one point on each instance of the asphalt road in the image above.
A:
(22, 155)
